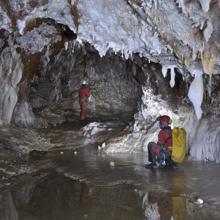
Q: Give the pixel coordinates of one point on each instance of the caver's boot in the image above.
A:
(151, 166)
(170, 163)
(163, 164)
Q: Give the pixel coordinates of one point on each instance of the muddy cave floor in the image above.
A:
(74, 180)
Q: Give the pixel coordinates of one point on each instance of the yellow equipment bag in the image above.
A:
(179, 144)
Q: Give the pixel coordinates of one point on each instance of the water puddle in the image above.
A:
(51, 196)
(56, 197)
(85, 183)
(87, 186)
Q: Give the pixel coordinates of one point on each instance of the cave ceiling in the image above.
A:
(173, 32)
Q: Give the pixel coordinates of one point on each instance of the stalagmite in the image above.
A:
(23, 114)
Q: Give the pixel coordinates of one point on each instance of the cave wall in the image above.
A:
(48, 46)
(186, 39)
(52, 67)
(114, 90)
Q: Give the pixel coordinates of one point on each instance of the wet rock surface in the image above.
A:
(81, 182)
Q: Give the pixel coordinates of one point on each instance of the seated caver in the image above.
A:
(161, 151)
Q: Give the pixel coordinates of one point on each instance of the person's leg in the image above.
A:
(149, 152)
(83, 111)
(169, 162)
(162, 158)
(153, 152)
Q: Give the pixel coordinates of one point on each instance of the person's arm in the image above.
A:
(161, 137)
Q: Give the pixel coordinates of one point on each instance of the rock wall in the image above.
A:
(114, 89)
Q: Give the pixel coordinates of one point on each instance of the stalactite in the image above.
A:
(205, 5)
(208, 31)
(172, 74)
(172, 77)
(208, 61)
(196, 91)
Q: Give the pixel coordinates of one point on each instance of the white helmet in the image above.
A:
(84, 82)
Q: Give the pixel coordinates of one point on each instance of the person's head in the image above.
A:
(164, 120)
(84, 82)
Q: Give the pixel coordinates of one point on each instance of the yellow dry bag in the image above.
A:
(179, 144)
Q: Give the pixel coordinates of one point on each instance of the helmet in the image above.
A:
(84, 82)
(165, 120)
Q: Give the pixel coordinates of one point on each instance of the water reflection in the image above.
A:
(174, 203)
(59, 198)
(85, 201)
(164, 198)
(106, 193)
(164, 206)
(54, 197)
(7, 207)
